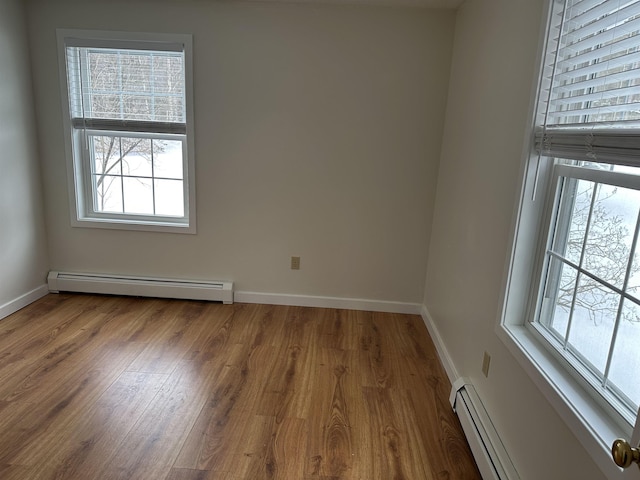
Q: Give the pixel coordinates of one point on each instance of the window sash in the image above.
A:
(614, 400)
(85, 137)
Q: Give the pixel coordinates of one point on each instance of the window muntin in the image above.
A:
(130, 132)
(589, 310)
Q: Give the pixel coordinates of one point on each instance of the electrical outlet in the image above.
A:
(486, 361)
(295, 263)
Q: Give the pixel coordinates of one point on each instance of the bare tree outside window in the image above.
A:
(607, 251)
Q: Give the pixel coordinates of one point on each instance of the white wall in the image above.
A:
(23, 261)
(495, 49)
(318, 133)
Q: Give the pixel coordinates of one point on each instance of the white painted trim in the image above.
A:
(327, 302)
(23, 300)
(443, 353)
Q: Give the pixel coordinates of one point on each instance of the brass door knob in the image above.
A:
(624, 454)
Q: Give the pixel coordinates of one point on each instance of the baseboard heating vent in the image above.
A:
(487, 448)
(140, 286)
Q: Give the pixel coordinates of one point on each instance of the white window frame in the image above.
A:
(77, 156)
(592, 421)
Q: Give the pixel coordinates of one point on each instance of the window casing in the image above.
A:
(129, 129)
(571, 311)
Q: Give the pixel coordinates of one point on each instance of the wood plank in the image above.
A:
(189, 474)
(98, 433)
(163, 354)
(330, 443)
(392, 453)
(338, 329)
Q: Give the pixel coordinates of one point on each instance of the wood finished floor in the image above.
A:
(95, 387)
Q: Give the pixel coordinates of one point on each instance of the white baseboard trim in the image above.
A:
(443, 353)
(326, 302)
(23, 300)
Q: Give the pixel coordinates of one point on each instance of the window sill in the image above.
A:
(577, 408)
(150, 226)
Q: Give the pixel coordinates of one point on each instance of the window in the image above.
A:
(572, 302)
(129, 129)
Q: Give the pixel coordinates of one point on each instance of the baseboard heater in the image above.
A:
(140, 286)
(487, 448)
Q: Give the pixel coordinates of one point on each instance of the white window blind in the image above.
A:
(125, 89)
(591, 103)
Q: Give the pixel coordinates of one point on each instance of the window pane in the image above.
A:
(169, 198)
(138, 107)
(106, 155)
(108, 193)
(593, 320)
(633, 288)
(561, 283)
(572, 218)
(132, 69)
(103, 105)
(626, 354)
(103, 77)
(138, 196)
(136, 156)
(167, 159)
(168, 109)
(611, 233)
(169, 76)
